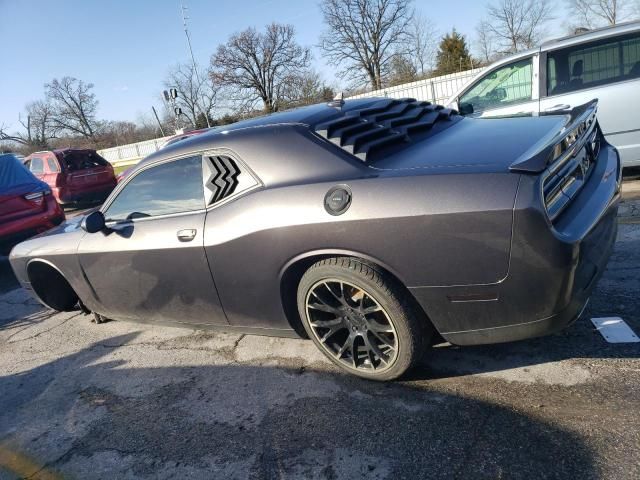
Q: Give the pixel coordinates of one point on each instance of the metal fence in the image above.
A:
(132, 153)
(436, 89)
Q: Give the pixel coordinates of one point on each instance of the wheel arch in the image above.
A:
(59, 294)
(294, 269)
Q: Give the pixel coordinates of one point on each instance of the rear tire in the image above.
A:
(362, 319)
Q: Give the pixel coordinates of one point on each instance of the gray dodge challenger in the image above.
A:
(375, 227)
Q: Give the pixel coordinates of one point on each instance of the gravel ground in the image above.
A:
(121, 400)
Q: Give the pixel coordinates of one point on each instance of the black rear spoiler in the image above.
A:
(565, 141)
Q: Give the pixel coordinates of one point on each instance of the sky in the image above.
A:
(126, 47)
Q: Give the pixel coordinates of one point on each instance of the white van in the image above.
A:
(564, 73)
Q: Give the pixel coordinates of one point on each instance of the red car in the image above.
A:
(27, 206)
(74, 175)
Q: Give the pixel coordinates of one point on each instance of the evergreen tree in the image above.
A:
(453, 54)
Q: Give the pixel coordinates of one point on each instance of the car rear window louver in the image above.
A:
(386, 125)
(223, 178)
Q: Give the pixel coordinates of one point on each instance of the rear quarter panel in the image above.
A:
(430, 230)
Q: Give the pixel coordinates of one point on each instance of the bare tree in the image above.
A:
(517, 24)
(257, 65)
(307, 88)
(485, 43)
(423, 43)
(595, 13)
(197, 95)
(363, 36)
(74, 107)
(403, 70)
(37, 127)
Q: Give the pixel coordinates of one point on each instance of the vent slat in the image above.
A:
(370, 147)
(382, 106)
(397, 111)
(372, 130)
(346, 132)
(327, 129)
(356, 141)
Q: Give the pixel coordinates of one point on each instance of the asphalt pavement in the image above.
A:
(123, 400)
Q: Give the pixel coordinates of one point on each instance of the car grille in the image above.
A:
(575, 157)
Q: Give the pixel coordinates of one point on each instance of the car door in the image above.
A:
(150, 263)
(508, 89)
(609, 70)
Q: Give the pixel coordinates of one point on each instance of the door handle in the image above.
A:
(187, 235)
(557, 108)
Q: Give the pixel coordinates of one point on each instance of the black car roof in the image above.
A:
(311, 115)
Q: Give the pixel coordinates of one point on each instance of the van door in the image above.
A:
(508, 89)
(609, 70)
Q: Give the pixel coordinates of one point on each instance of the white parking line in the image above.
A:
(615, 330)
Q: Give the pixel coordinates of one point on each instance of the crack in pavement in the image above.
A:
(9, 341)
(237, 342)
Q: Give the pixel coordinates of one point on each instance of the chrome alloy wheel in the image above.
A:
(351, 325)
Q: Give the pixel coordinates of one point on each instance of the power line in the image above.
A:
(185, 17)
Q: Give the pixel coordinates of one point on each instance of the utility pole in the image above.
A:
(158, 119)
(183, 9)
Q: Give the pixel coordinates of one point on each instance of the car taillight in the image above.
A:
(34, 196)
(37, 197)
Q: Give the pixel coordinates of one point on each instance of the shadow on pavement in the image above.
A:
(8, 280)
(92, 414)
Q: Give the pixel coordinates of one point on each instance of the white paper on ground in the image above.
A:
(615, 330)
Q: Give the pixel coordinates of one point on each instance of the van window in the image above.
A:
(593, 64)
(507, 85)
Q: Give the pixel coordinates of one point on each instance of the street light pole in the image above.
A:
(183, 9)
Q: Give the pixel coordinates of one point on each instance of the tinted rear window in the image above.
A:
(75, 161)
(593, 64)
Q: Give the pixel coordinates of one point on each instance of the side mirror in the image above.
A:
(466, 108)
(94, 222)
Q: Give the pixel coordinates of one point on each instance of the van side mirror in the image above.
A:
(466, 108)
(94, 222)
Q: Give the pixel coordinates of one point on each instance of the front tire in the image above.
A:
(361, 319)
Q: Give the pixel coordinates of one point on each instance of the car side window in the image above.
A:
(507, 85)
(171, 187)
(52, 165)
(593, 64)
(36, 166)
